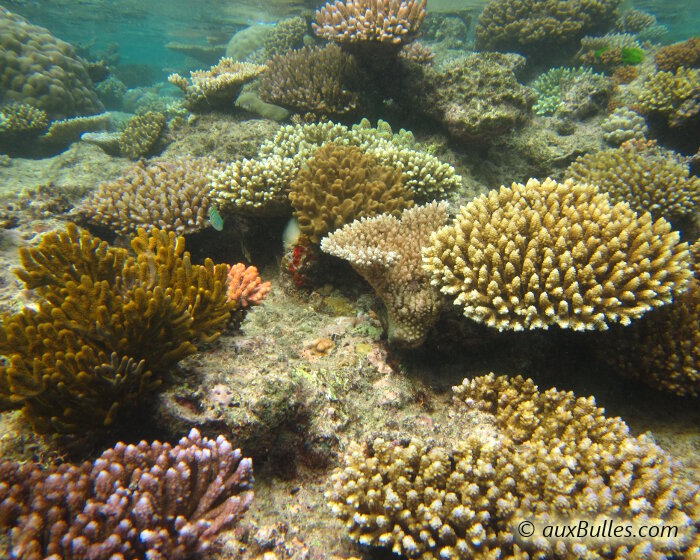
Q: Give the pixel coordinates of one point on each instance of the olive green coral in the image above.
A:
(541, 456)
(341, 183)
(386, 251)
(550, 253)
(108, 328)
(643, 174)
(141, 134)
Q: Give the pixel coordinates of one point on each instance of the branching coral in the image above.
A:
(171, 195)
(19, 121)
(312, 80)
(674, 95)
(623, 124)
(370, 21)
(570, 92)
(287, 34)
(672, 57)
(341, 183)
(218, 87)
(245, 287)
(108, 328)
(646, 176)
(543, 254)
(531, 26)
(386, 251)
(546, 457)
(146, 501)
(141, 134)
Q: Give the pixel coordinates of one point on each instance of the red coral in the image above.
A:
(245, 285)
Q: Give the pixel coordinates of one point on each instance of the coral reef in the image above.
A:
(534, 26)
(21, 122)
(623, 124)
(171, 195)
(548, 457)
(673, 95)
(147, 501)
(218, 87)
(64, 132)
(141, 134)
(339, 184)
(570, 92)
(261, 185)
(40, 70)
(386, 251)
(380, 22)
(109, 326)
(550, 253)
(646, 176)
(315, 80)
(288, 34)
(672, 57)
(476, 97)
(245, 287)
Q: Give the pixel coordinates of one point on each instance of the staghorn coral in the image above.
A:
(476, 97)
(533, 26)
(673, 95)
(261, 185)
(245, 287)
(287, 34)
(672, 57)
(315, 80)
(141, 134)
(570, 92)
(545, 456)
(171, 195)
(646, 176)
(218, 87)
(623, 124)
(543, 254)
(339, 184)
(109, 326)
(40, 70)
(149, 501)
(386, 251)
(382, 22)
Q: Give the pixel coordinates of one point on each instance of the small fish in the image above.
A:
(215, 219)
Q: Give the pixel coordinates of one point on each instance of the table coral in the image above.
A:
(109, 326)
(339, 184)
(643, 174)
(550, 253)
(386, 251)
(146, 501)
(549, 456)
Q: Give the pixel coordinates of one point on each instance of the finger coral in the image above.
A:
(171, 195)
(673, 95)
(623, 124)
(109, 326)
(550, 253)
(312, 80)
(341, 183)
(218, 87)
(547, 456)
(245, 287)
(646, 176)
(370, 21)
(386, 251)
(141, 134)
(146, 501)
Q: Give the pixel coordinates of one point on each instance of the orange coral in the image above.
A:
(245, 285)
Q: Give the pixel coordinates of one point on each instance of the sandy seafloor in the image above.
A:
(309, 372)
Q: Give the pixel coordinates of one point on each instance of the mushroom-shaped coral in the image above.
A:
(520, 455)
(218, 87)
(171, 195)
(149, 501)
(339, 184)
(386, 251)
(646, 176)
(550, 253)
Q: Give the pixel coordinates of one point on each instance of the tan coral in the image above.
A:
(674, 95)
(518, 454)
(245, 287)
(531, 256)
(340, 184)
(386, 251)
(671, 57)
(141, 134)
(643, 174)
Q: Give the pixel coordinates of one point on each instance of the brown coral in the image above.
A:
(341, 183)
(671, 57)
(673, 95)
(646, 176)
(370, 21)
(541, 254)
(245, 287)
(540, 456)
(141, 134)
(386, 251)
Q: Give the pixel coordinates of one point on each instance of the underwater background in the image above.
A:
(358, 279)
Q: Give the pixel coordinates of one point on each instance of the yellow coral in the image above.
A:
(675, 95)
(543, 254)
